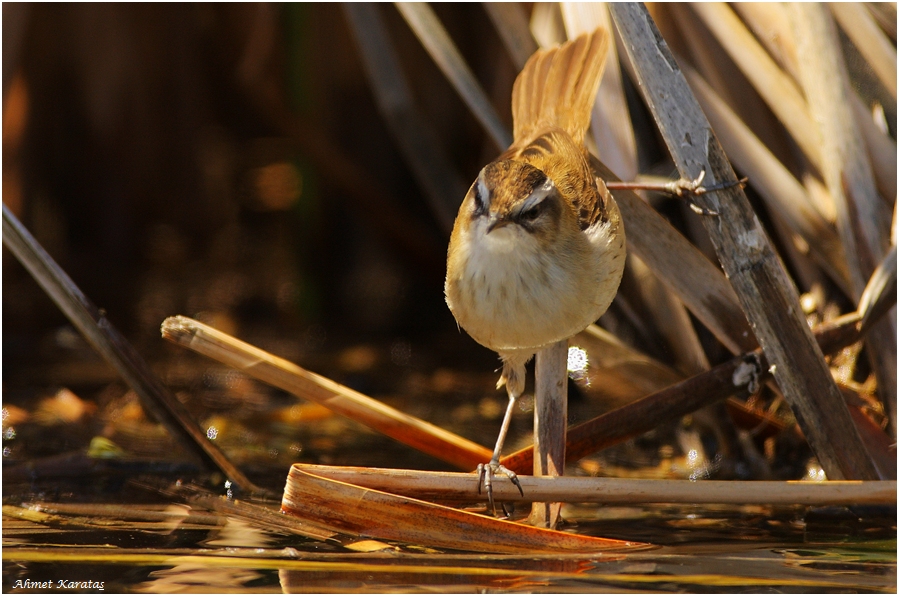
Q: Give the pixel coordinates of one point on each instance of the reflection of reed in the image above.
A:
(188, 577)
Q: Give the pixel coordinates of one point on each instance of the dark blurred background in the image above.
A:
(227, 161)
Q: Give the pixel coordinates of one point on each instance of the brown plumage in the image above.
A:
(537, 250)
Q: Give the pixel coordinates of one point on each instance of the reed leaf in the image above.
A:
(427, 27)
(777, 88)
(880, 54)
(386, 516)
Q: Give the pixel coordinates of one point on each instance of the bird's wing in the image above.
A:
(557, 87)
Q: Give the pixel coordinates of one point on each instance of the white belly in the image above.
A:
(512, 296)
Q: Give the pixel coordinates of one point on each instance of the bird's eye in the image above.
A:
(532, 213)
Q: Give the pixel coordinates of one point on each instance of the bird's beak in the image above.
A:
(495, 221)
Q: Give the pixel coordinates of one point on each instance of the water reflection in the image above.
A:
(191, 575)
(700, 549)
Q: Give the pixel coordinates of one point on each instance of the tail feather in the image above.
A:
(557, 87)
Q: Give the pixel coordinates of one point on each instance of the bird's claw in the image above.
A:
(486, 474)
(684, 189)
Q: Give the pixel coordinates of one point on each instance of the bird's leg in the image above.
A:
(513, 379)
(486, 472)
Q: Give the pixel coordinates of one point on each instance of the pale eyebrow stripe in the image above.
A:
(482, 190)
(538, 194)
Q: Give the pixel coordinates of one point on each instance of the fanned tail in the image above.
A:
(557, 87)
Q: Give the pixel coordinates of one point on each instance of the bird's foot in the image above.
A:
(486, 474)
(684, 189)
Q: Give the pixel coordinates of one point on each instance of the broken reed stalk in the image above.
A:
(766, 293)
(155, 397)
(285, 375)
(451, 486)
(550, 425)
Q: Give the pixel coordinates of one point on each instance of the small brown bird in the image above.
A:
(537, 250)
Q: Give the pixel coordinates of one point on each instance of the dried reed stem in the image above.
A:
(880, 54)
(459, 487)
(783, 194)
(550, 424)
(862, 217)
(511, 23)
(777, 88)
